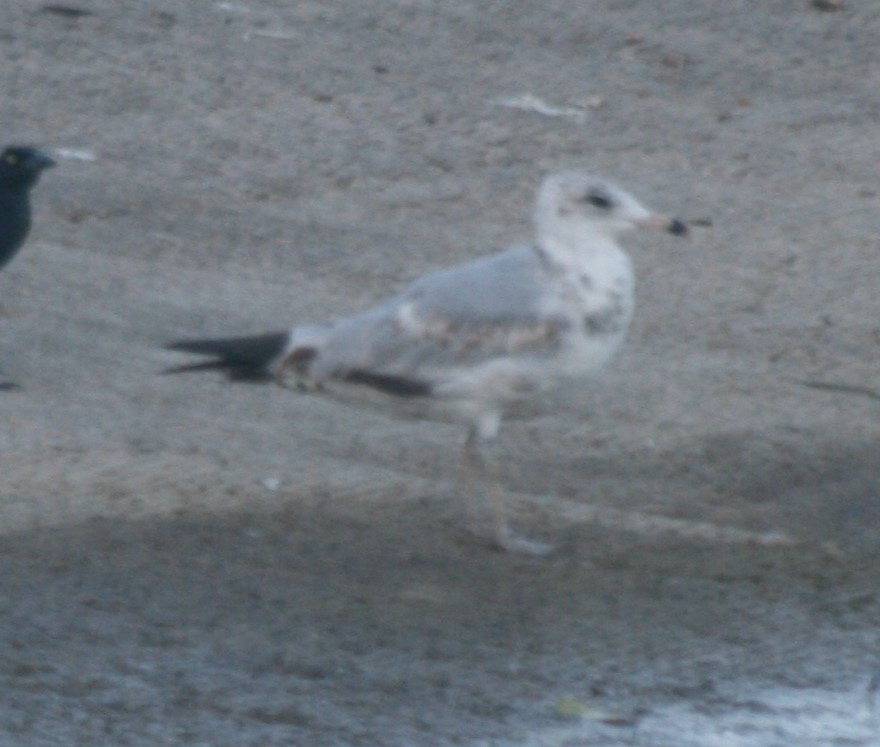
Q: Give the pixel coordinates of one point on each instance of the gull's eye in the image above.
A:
(11, 159)
(599, 200)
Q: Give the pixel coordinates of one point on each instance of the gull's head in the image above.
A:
(575, 203)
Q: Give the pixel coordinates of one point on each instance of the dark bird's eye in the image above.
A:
(11, 159)
(599, 200)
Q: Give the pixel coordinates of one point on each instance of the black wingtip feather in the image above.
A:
(240, 358)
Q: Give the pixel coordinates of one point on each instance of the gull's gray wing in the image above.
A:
(497, 306)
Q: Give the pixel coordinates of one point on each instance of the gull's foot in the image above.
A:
(502, 537)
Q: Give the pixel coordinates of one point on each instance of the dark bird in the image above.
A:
(20, 169)
(479, 340)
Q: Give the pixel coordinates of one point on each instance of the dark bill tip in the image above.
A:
(677, 227)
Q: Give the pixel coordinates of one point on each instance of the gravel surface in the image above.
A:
(188, 562)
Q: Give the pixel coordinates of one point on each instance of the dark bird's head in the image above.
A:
(21, 166)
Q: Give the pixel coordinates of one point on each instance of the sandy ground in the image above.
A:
(190, 562)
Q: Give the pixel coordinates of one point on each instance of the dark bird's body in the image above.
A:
(20, 169)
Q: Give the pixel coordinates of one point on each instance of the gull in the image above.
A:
(479, 340)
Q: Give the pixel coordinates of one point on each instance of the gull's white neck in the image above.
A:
(577, 244)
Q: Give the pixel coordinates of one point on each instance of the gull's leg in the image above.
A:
(482, 478)
(478, 475)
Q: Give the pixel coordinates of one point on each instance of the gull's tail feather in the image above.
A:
(240, 358)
